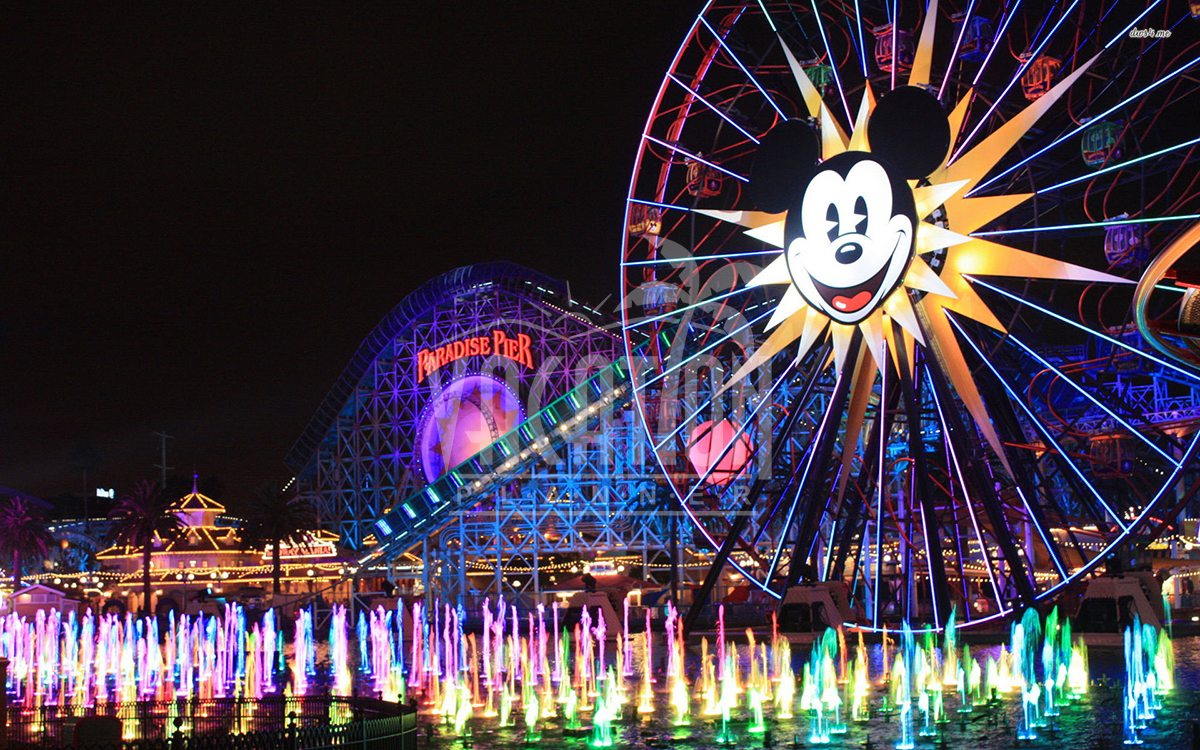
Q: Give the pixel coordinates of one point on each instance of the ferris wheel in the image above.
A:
(881, 260)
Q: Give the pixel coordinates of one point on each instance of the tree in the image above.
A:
(143, 515)
(22, 531)
(275, 519)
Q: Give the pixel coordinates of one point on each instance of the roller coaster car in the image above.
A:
(807, 609)
(1109, 604)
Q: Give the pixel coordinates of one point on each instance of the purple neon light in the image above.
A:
(1020, 402)
(694, 157)
(711, 106)
(1016, 77)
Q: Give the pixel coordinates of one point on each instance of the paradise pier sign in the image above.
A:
(516, 348)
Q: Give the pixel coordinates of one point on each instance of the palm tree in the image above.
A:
(275, 519)
(22, 530)
(142, 516)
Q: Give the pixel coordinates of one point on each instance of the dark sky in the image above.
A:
(207, 207)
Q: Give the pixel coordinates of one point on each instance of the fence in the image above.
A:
(269, 723)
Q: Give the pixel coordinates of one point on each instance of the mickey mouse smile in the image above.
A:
(852, 299)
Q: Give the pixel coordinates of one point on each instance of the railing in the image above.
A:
(294, 723)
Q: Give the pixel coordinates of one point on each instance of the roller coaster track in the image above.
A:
(433, 506)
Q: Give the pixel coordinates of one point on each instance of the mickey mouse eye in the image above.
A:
(831, 216)
(860, 213)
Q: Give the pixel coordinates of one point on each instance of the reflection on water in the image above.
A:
(1092, 723)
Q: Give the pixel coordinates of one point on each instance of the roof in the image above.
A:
(33, 586)
(194, 501)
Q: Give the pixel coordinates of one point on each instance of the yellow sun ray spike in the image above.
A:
(872, 331)
(775, 343)
(930, 197)
(964, 301)
(842, 336)
(931, 237)
(899, 308)
(957, 115)
(858, 139)
(856, 411)
(748, 219)
(791, 303)
(812, 97)
(921, 276)
(833, 139)
(948, 356)
(776, 272)
(992, 259)
(772, 234)
(814, 327)
(968, 214)
(921, 61)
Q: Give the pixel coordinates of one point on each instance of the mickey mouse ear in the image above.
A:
(910, 131)
(784, 156)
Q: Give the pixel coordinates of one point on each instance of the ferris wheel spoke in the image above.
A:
(1080, 128)
(693, 306)
(980, 486)
(958, 38)
(713, 464)
(713, 107)
(709, 347)
(1064, 462)
(837, 78)
(995, 42)
(1087, 394)
(1013, 80)
(749, 76)
(1162, 362)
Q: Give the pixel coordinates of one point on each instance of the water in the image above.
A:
(1092, 722)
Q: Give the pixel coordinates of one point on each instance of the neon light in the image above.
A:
(1016, 77)
(700, 258)
(836, 78)
(1088, 225)
(1130, 26)
(738, 62)
(957, 44)
(1086, 394)
(770, 22)
(995, 43)
(694, 157)
(1080, 128)
(499, 344)
(1020, 401)
(1122, 165)
(693, 306)
(709, 104)
(1084, 328)
(660, 205)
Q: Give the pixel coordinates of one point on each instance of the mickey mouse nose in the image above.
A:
(848, 253)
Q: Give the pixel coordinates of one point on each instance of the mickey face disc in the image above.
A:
(850, 235)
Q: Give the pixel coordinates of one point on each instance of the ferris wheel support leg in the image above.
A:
(983, 489)
(700, 597)
(930, 522)
(814, 494)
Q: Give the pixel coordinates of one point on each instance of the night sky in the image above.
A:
(207, 207)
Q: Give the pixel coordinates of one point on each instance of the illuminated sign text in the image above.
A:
(499, 343)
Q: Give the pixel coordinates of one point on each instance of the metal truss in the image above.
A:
(598, 500)
(358, 457)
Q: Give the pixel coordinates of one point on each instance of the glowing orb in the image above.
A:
(707, 445)
(466, 417)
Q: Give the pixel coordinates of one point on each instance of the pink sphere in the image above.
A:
(709, 441)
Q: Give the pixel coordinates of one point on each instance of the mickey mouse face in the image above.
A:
(851, 222)
(849, 237)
